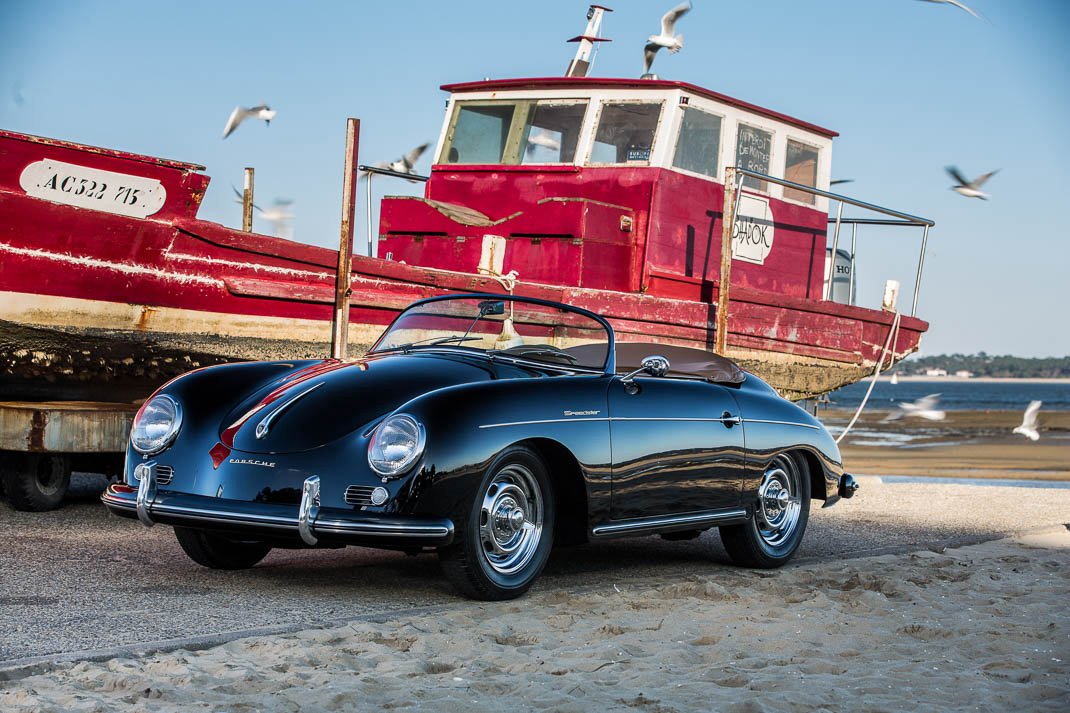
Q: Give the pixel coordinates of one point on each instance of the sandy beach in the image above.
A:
(979, 628)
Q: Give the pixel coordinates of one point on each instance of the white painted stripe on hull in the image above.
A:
(77, 313)
(122, 268)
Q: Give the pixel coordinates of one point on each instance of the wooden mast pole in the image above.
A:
(728, 222)
(343, 277)
(247, 202)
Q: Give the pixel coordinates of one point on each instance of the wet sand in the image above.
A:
(979, 628)
(967, 444)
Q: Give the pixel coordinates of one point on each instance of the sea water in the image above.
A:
(958, 394)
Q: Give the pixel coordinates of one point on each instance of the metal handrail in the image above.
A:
(912, 219)
(873, 221)
(903, 219)
(388, 172)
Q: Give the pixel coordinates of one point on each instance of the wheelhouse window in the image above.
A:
(626, 132)
(801, 167)
(552, 131)
(699, 144)
(753, 147)
(513, 132)
(480, 133)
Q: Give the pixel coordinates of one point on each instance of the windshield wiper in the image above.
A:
(430, 342)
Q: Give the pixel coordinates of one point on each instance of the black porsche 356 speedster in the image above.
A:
(486, 428)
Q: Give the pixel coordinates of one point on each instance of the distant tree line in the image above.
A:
(982, 364)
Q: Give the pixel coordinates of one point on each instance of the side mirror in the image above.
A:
(654, 365)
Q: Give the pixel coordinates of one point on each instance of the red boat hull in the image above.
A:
(94, 303)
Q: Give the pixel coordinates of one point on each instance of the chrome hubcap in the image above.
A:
(511, 519)
(779, 505)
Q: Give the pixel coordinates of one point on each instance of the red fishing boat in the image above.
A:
(610, 194)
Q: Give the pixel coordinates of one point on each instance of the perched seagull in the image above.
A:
(240, 114)
(666, 39)
(970, 189)
(1029, 422)
(955, 3)
(922, 408)
(407, 163)
(543, 138)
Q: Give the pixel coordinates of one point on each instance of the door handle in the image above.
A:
(729, 420)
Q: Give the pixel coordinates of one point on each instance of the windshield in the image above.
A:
(509, 327)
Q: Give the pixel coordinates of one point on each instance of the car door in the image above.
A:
(677, 447)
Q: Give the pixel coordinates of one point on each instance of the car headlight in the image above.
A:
(156, 426)
(395, 445)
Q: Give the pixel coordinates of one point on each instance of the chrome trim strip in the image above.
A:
(309, 509)
(264, 426)
(653, 523)
(780, 423)
(544, 420)
(732, 420)
(146, 491)
(720, 419)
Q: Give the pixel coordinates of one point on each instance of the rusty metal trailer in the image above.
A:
(42, 442)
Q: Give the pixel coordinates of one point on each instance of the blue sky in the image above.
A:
(911, 87)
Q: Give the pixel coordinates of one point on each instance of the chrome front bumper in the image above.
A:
(309, 521)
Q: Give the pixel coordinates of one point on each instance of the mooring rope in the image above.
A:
(893, 336)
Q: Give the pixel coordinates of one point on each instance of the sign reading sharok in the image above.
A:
(134, 196)
(752, 235)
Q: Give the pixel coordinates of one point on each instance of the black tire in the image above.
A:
(760, 543)
(35, 482)
(217, 551)
(492, 561)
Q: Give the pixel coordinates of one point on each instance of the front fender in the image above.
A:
(469, 425)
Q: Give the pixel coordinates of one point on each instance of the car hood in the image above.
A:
(323, 402)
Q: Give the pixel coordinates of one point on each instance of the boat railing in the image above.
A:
(734, 187)
(895, 218)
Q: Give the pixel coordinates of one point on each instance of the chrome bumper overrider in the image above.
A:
(309, 520)
(848, 486)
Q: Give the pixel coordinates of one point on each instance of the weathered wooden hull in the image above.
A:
(95, 305)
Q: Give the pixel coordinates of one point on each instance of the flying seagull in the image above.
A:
(924, 407)
(278, 214)
(1029, 422)
(407, 163)
(841, 181)
(666, 39)
(240, 114)
(955, 3)
(970, 189)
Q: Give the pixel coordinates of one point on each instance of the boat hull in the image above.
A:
(98, 305)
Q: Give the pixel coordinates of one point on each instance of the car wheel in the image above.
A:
(35, 482)
(506, 539)
(781, 511)
(217, 551)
